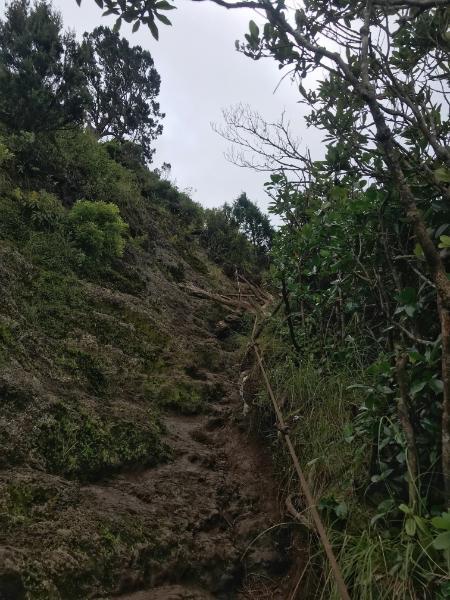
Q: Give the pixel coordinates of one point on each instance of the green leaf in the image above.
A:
(153, 29)
(383, 475)
(407, 296)
(136, 26)
(341, 510)
(442, 542)
(437, 385)
(348, 433)
(164, 5)
(415, 357)
(442, 175)
(417, 387)
(163, 19)
(445, 241)
(440, 230)
(418, 251)
(408, 299)
(442, 522)
(254, 29)
(410, 526)
(421, 525)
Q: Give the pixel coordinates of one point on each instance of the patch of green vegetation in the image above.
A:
(320, 403)
(37, 584)
(22, 498)
(183, 397)
(209, 357)
(109, 551)
(144, 326)
(234, 342)
(147, 340)
(98, 230)
(319, 408)
(53, 251)
(90, 367)
(118, 277)
(78, 445)
(177, 272)
(54, 303)
(192, 258)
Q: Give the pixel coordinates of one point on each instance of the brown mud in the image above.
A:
(219, 497)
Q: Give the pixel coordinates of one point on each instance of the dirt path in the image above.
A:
(215, 500)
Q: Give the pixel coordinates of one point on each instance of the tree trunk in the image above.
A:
(287, 309)
(445, 331)
(408, 429)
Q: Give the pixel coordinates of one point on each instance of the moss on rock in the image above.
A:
(83, 446)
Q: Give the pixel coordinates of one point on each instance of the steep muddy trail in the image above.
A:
(218, 498)
(92, 505)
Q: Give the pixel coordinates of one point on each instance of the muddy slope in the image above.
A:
(209, 505)
(124, 469)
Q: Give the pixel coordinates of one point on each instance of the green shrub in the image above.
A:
(98, 230)
(6, 157)
(54, 302)
(225, 244)
(54, 251)
(43, 211)
(24, 212)
(86, 170)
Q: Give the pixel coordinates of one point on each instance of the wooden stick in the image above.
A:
(310, 501)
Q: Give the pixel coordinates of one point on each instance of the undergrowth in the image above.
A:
(384, 548)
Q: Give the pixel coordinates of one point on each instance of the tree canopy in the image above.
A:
(123, 85)
(49, 81)
(253, 223)
(42, 89)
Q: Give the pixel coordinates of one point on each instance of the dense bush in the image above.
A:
(224, 243)
(238, 236)
(98, 230)
(24, 212)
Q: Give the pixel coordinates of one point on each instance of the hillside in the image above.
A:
(121, 468)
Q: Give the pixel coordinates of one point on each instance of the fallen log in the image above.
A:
(240, 304)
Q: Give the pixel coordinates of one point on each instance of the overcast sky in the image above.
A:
(202, 73)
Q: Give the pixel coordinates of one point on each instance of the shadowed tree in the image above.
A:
(123, 86)
(253, 223)
(41, 83)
